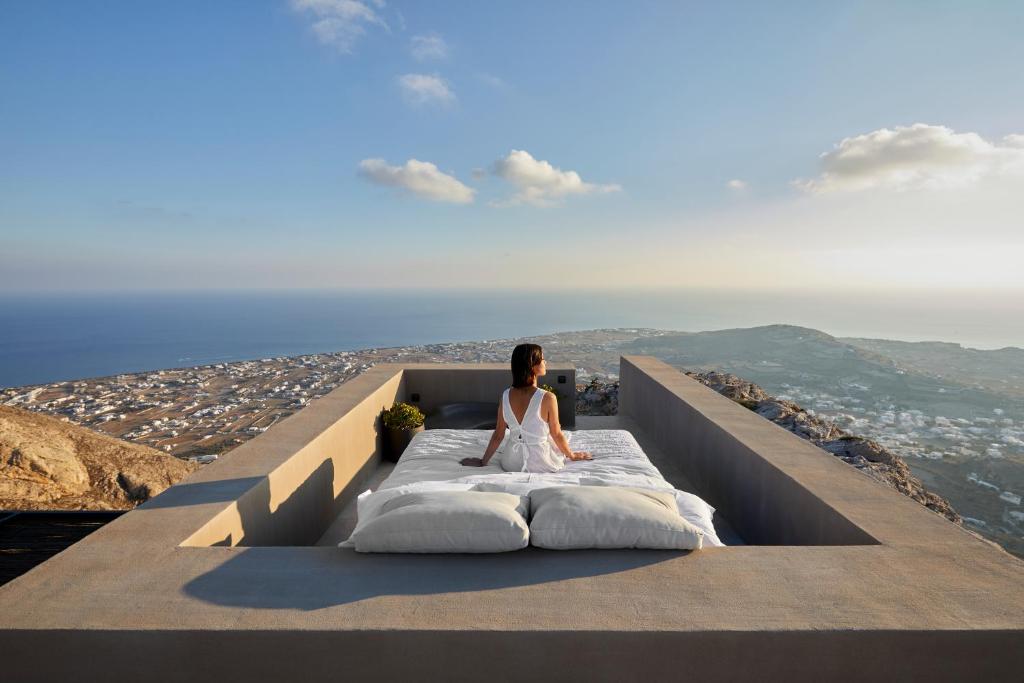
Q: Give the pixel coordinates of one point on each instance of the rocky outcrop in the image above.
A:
(866, 455)
(597, 398)
(48, 464)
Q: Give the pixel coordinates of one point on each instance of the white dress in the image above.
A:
(528, 447)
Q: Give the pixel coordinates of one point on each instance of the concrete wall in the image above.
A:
(316, 460)
(435, 385)
(323, 453)
(278, 656)
(733, 456)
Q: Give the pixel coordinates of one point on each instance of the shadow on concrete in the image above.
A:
(315, 578)
(298, 520)
(182, 495)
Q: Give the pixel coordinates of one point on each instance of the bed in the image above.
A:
(434, 455)
(431, 463)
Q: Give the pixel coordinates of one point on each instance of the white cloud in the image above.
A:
(340, 23)
(492, 81)
(920, 156)
(539, 183)
(431, 46)
(421, 178)
(737, 184)
(421, 89)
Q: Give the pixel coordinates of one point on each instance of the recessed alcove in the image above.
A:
(701, 442)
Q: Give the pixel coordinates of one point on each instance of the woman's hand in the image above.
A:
(472, 462)
(580, 455)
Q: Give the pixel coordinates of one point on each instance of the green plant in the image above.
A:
(548, 387)
(402, 416)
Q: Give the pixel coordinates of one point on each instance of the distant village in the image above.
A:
(200, 412)
(955, 445)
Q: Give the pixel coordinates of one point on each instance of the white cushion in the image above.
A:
(698, 513)
(693, 509)
(369, 502)
(576, 517)
(446, 522)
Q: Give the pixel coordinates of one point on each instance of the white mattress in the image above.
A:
(431, 462)
(434, 455)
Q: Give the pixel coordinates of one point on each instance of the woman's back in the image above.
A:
(532, 443)
(528, 446)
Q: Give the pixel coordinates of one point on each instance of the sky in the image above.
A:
(339, 143)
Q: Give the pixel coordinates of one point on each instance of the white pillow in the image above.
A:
(698, 513)
(576, 517)
(447, 522)
(369, 502)
(693, 509)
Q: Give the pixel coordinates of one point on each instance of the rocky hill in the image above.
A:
(998, 370)
(602, 398)
(49, 464)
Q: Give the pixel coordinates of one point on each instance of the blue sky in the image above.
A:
(231, 144)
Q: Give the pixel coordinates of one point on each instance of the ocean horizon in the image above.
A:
(58, 336)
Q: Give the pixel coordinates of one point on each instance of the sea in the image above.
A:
(57, 336)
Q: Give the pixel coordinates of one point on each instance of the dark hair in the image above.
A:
(524, 357)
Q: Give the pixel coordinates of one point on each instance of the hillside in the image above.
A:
(780, 356)
(49, 464)
(999, 370)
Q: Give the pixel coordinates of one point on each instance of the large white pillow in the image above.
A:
(446, 522)
(698, 513)
(576, 517)
(369, 502)
(693, 509)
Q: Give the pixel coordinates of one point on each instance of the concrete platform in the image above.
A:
(219, 578)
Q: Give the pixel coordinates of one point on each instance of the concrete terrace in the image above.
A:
(220, 577)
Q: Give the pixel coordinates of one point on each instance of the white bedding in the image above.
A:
(431, 463)
(434, 455)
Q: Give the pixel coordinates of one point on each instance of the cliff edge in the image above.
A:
(48, 464)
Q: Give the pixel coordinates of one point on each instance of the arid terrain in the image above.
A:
(49, 464)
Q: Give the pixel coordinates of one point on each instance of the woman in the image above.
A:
(531, 416)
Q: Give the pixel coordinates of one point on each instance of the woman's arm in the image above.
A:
(550, 405)
(492, 445)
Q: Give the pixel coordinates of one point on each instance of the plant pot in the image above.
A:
(395, 441)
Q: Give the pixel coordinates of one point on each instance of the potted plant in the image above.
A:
(401, 422)
(550, 389)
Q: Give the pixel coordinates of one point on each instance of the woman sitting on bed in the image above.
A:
(535, 441)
